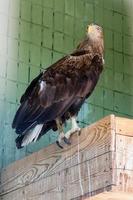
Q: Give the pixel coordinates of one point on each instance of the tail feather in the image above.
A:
(19, 114)
(32, 135)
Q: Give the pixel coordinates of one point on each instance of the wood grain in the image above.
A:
(124, 126)
(112, 196)
(100, 159)
(52, 160)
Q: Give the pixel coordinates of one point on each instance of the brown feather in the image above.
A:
(65, 86)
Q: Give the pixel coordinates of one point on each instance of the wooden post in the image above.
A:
(98, 165)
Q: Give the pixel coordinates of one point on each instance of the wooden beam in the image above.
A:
(124, 126)
(112, 196)
(98, 159)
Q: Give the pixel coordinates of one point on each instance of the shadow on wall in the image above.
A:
(35, 34)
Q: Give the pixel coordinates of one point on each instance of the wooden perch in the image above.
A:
(99, 162)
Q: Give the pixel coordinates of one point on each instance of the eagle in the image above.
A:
(58, 92)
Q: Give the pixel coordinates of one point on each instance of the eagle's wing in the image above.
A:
(52, 93)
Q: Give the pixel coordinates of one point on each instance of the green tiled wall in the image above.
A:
(36, 33)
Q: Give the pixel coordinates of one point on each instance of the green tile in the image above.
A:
(128, 84)
(89, 13)
(47, 38)
(79, 9)
(2, 88)
(98, 96)
(128, 45)
(59, 5)
(79, 30)
(117, 22)
(108, 99)
(34, 71)
(76, 42)
(98, 113)
(48, 3)
(119, 82)
(25, 31)
(91, 98)
(58, 41)
(56, 56)
(117, 5)
(10, 148)
(36, 14)
(118, 62)
(11, 89)
(108, 19)
(20, 91)
(109, 58)
(128, 64)
(118, 42)
(69, 7)
(3, 64)
(108, 4)
(127, 28)
(108, 35)
(23, 72)
(85, 108)
(99, 16)
(3, 45)
(95, 113)
(127, 7)
(53, 136)
(36, 34)
(4, 21)
(13, 29)
(108, 112)
(68, 44)
(46, 57)
(2, 112)
(14, 9)
(42, 143)
(12, 70)
(26, 10)
(69, 25)
(20, 154)
(48, 17)
(58, 21)
(13, 48)
(108, 78)
(101, 79)
(10, 109)
(99, 3)
(36, 2)
(24, 52)
(35, 54)
(89, 115)
(123, 103)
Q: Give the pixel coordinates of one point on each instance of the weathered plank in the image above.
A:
(78, 181)
(99, 160)
(124, 126)
(52, 160)
(112, 196)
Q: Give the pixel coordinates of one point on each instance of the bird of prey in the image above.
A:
(58, 93)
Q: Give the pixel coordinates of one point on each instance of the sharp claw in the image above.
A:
(66, 140)
(59, 145)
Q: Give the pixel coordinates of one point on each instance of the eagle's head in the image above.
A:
(94, 31)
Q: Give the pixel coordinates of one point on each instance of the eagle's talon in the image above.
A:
(67, 141)
(59, 145)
